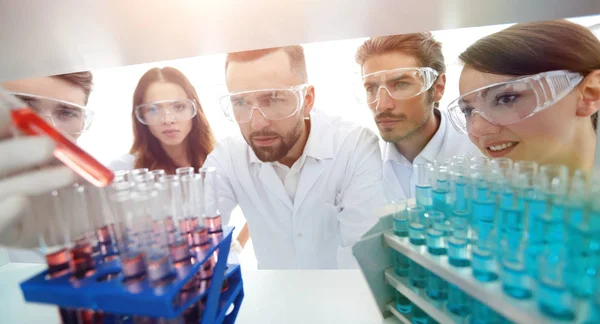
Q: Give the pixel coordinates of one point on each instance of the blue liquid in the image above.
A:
(423, 195)
(418, 275)
(440, 200)
(401, 227)
(515, 282)
(457, 252)
(436, 242)
(481, 314)
(536, 208)
(401, 264)
(416, 234)
(437, 288)
(461, 196)
(555, 302)
(484, 265)
(420, 317)
(403, 304)
(458, 303)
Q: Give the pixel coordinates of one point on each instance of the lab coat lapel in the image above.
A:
(272, 182)
(394, 191)
(308, 177)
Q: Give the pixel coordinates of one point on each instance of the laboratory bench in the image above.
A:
(271, 296)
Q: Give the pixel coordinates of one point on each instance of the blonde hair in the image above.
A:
(422, 46)
(295, 53)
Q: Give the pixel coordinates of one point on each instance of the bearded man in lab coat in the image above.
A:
(307, 183)
(403, 79)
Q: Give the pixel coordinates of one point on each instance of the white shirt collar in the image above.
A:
(319, 144)
(429, 154)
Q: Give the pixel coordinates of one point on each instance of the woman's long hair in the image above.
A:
(146, 148)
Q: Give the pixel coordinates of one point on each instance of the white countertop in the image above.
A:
(288, 296)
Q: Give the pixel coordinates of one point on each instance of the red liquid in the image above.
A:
(70, 154)
(200, 236)
(58, 265)
(82, 260)
(159, 269)
(213, 224)
(134, 266)
(170, 224)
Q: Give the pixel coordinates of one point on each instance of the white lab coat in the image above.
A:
(339, 187)
(446, 143)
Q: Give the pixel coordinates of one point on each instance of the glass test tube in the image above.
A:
(440, 189)
(76, 210)
(483, 248)
(460, 188)
(401, 263)
(158, 175)
(584, 240)
(55, 241)
(149, 204)
(192, 208)
(482, 314)
(437, 288)
(500, 171)
(400, 216)
(436, 228)
(417, 223)
(424, 178)
(554, 298)
(458, 303)
(212, 215)
(458, 243)
(403, 304)
(130, 237)
(420, 317)
(103, 222)
(418, 275)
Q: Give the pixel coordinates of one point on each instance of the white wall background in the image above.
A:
(331, 68)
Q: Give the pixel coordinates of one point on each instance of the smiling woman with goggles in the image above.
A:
(532, 92)
(508, 102)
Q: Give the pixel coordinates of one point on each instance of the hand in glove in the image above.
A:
(21, 177)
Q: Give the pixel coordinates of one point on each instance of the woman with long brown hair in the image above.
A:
(169, 127)
(532, 92)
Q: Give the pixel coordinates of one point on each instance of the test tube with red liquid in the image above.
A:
(191, 193)
(103, 222)
(55, 241)
(30, 123)
(128, 232)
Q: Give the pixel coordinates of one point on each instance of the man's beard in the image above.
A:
(275, 153)
(417, 128)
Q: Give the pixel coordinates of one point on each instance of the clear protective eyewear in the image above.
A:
(154, 113)
(510, 101)
(65, 116)
(400, 83)
(273, 104)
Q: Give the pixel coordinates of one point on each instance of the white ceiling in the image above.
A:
(50, 37)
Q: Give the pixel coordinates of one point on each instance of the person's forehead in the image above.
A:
(51, 87)
(471, 79)
(389, 61)
(271, 71)
(159, 91)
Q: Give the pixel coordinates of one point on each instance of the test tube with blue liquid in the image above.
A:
(437, 288)
(458, 242)
(458, 303)
(460, 180)
(483, 249)
(417, 224)
(482, 314)
(440, 188)
(436, 228)
(420, 317)
(500, 172)
(400, 216)
(553, 297)
(418, 275)
(403, 304)
(582, 236)
(424, 178)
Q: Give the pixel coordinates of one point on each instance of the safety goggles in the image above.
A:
(510, 101)
(67, 117)
(273, 104)
(401, 83)
(158, 112)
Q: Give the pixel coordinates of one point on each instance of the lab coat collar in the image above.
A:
(431, 151)
(319, 144)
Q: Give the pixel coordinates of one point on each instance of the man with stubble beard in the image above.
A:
(307, 183)
(403, 79)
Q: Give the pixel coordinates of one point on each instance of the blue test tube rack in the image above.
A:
(113, 297)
